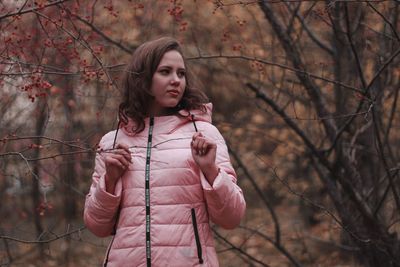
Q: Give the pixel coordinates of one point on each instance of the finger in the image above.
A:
(125, 154)
(120, 153)
(200, 146)
(195, 145)
(124, 149)
(208, 145)
(122, 159)
(114, 162)
(197, 135)
(123, 146)
(205, 147)
(194, 136)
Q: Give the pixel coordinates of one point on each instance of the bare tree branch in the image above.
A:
(276, 245)
(353, 49)
(239, 250)
(298, 71)
(386, 20)
(381, 69)
(260, 194)
(29, 10)
(102, 34)
(66, 143)
(294, 56)
(83, 43)
(291, 124)
(383, 159)
(33, 242)
(312, 36)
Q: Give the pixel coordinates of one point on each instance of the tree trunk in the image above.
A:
(35, 194)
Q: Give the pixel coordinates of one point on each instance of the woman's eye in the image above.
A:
(164, 72)
(181, 74)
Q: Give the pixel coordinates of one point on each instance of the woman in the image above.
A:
(165, 172)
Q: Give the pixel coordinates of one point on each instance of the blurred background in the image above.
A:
(305, 93)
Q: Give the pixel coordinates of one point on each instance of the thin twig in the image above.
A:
(33, 9)
(259, 192)
(241, 251)
(386, 20)
(68, 233)
(277, 246)
(102, 34)
(266, 62)
(353, 49)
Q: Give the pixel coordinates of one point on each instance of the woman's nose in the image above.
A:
(175, 79)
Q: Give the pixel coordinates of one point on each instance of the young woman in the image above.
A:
(165, 172)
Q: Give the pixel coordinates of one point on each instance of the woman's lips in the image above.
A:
(173, 93)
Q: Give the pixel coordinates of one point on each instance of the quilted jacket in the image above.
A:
(162, 205)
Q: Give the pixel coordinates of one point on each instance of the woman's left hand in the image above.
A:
(204, 152)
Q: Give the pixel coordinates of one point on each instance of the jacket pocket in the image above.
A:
(197, 237)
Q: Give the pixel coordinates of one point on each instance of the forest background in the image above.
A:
(305, 92)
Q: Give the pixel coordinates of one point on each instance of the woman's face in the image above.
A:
(168, 83)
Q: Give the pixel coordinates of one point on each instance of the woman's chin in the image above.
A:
(171, 105)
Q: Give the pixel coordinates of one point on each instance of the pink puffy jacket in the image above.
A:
(162, 205)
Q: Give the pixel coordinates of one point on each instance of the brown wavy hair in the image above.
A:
(136, 83)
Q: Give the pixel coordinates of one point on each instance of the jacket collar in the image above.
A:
(168, 124)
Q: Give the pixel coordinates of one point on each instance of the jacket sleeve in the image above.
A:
(225, 201)
(101, 207)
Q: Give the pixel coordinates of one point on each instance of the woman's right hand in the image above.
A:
(117, 162)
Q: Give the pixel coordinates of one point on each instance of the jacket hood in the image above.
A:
(168, 124)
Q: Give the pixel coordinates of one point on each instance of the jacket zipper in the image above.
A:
(108, 252)
(196, 235)
(147, 193)
(114, 232)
